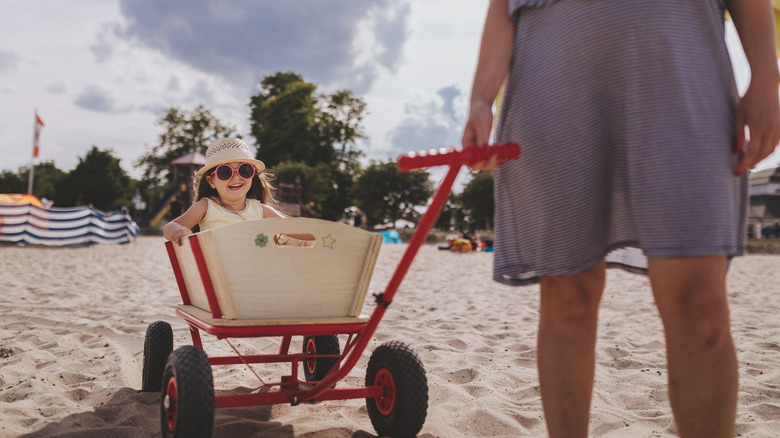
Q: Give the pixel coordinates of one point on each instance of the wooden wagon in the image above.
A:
(286, 278)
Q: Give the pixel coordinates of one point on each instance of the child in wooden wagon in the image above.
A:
(230, 188)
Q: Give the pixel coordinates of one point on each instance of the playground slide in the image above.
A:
(159, 212)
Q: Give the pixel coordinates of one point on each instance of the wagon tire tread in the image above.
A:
(411, 390)
(324, 344)
(190, 367)
(158, 344)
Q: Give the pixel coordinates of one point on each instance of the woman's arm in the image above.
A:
(182, 226)
(759, 108)
(495, 55)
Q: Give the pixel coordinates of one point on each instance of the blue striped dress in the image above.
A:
(624, 110)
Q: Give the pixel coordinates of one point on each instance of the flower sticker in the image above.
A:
(261, 240)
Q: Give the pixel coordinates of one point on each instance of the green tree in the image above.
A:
(12, 182)
(449, 214)
(184, 132)
(343, 174)
(384, 193)
(284, 124)
(99, 180)
(477, 201)
(314, 181)
(292, 124)
(47, 180)
(339, 122)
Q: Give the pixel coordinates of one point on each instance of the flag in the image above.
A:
(38, 126)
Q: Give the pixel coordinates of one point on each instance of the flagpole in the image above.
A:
(32, 159)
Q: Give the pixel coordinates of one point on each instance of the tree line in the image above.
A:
(305, 139)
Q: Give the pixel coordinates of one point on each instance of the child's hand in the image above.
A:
(179, 234)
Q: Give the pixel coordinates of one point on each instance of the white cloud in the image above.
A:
(96, 98)
(9, 61)
(57, 87)
(241, 39)
(430, 124)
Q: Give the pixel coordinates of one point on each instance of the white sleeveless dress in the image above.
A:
(218, 216)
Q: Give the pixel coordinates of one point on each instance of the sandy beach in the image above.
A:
(73, 324)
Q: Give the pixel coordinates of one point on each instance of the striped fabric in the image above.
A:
(29, 224)
(624, 110)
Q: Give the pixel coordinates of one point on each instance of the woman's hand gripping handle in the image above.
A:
(483, 157)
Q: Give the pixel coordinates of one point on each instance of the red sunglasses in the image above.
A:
(225, 172)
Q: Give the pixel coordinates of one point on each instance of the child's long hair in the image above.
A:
(261, 189)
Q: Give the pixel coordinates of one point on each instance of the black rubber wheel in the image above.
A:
(158, 344)
(187, 408)
(401, 411)
(316, 369)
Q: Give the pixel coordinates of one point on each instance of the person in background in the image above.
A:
(359, 219)
(176, 208)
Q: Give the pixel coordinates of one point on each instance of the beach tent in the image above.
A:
(390, 236)
(30, 223)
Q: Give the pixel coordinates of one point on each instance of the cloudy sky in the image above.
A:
(100, 72)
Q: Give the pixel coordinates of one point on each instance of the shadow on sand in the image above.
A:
(130, 413)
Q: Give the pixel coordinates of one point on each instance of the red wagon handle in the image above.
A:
(468, 156)
(456, 160)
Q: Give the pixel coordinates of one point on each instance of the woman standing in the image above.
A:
(634, 155)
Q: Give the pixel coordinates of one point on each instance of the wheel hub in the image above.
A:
(169, 405)
(311, 364)
(385, 403)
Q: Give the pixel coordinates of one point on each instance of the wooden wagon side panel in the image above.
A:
(216, 272)
(191, 274)
(365, 277)
(268, 281)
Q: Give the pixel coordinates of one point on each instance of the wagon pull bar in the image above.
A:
(455, 159)
(468, 156)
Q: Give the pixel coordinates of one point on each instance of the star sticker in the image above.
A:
(261, 240)
(328, 241)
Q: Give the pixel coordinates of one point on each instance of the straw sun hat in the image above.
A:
(228, 150)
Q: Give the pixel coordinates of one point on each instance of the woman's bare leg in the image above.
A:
(566, 349)
(690, 293)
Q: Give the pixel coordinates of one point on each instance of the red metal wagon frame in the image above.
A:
(291, 389)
